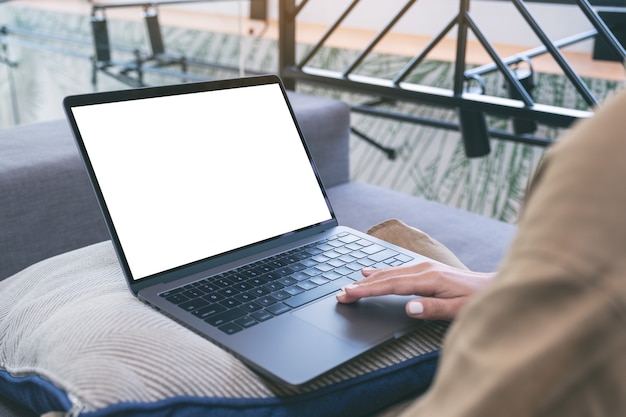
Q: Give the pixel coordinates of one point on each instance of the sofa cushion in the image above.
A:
(478, 241)
(72, 337)
(325, 125)
(48, 206)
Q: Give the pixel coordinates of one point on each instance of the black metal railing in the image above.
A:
(519, 105)
(472, 106)
(157, 60)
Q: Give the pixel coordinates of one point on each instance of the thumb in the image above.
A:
(434, 308)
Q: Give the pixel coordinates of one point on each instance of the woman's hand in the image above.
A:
(443, 289)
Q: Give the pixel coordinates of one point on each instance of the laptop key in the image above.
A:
(245, 297)
(287, 281)
(314, 294)
(356, 266)
(312, 261)
(243, 286)
(209, 311)
(382, 255)
(311, 272)
(283, 272)
(324, 247)
(336, 263)
(262, 315)
(223, 282)
(273, 286)
(231, 328)
(344, 270)
(307, 285)
(358, 254)
(176, 298)
(251, 306)
(319, 280)
(281, 295)
(301, 254)
(208, 288)
(171, 292)
(251, 273)
(343, 250)
(231, 302)
(192, 305)
(346, 259)
(366, 262)
(265, 301)
(348, 238)
(291, 259)
(313, 250)
(255, 282)
(246, 322)
(294, 290)
(229, 292)
(372, 249)
(298, 266)
(331, 275)
(236, 278)
(335, 243)
(278, 308)
(300, 276)
(271, 276)
(354, 246)
(194, 293)
(404, 258)
(213, 298)
(324, 267)
(226, 316)
(332, 254)
(259, 292)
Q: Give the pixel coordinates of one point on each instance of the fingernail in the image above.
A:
(342, 291)
(415, 308)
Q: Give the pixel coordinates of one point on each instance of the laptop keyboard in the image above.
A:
(243, 297)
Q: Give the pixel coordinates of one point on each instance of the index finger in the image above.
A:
(400, 281)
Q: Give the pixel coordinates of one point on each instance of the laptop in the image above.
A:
(219, 220)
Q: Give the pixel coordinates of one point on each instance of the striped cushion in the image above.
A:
(73, 337)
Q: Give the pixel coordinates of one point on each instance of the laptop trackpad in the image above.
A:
(368, 321)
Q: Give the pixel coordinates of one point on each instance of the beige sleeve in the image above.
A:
(547, 338)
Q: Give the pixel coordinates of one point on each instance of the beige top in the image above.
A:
(548, 338)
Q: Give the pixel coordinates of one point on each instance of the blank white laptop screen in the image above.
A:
(189, 176)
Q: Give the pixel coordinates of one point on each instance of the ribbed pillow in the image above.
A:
(73, 338)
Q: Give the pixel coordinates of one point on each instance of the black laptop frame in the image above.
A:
(215, 261)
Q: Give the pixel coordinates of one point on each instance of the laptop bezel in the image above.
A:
(212, 262)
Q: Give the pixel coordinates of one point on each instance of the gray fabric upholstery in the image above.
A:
(479, 242)
(47, 205)
(325, 125)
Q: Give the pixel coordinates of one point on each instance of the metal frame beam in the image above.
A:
(293, 71)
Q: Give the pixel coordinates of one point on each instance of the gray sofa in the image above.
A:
(47, 206)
